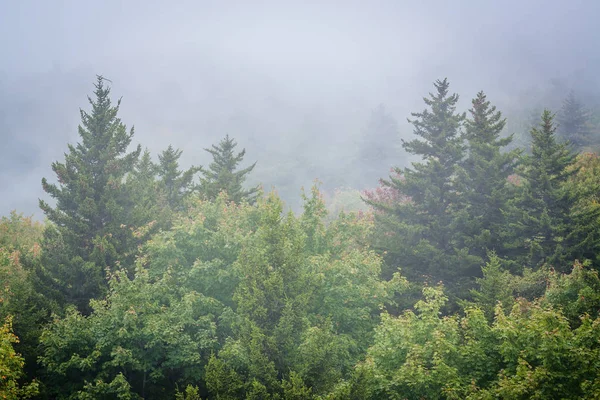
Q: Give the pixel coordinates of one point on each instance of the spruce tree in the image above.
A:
(538, 216)
(222, 175)
(573, 121)
(421, 236)
(175, 183)
(87, 234)
(483, 178)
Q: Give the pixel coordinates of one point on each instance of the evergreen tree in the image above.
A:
(583, 189)
(176, 184)
(377, 150)
(483, 178)
(148, 203)
(221, 174)
(494, 286)
(573, 121)
(422, 239)
(91, 203)
(538, 215)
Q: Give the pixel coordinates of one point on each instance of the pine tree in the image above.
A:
(377, 150)
(91, 203)
(176, 184)
(422, 236)
(483, 178)
(221, 174)
(538, 215)
(573, 121)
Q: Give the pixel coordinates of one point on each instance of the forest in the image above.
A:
(472, 273)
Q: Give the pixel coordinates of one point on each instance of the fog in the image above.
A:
(293, 82)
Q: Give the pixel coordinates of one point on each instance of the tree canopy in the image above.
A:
(470, 274)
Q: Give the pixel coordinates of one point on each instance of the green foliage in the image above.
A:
(143, 339)
(422, 356)
(91, 203)
(295, 389)
(422, 222)
(11, 367)
(496, 286)
(532, 283)
(190, 393)
(583, 188)
(161, 289)
(305, 303)
(530, 353)
(20, 233)
(222, 176)
(19, 256)
(148, 204)
(539, 213)
(202, 246)
(543, 357)
(482, 179)
(576, 293)
(176, 184)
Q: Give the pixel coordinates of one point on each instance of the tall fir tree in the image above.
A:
(421, 230)
(88, 234)
(574, 122)
(222, 175)
(176, 184)
(538, 215)
(482, 180)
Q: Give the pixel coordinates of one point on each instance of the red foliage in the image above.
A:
(386, 195)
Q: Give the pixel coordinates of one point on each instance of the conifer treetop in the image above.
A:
(222, 175)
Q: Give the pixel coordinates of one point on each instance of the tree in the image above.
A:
(482, 179)
(576, 293)
(377, 151)
(422, 228)
(495, 286)
(538, 220)
(574, 122)
(418, 355)
(583, 189)
(19, 256)
(11, 367)
(143, 340)
(221, 174)
(307, 299)
(528, 352)
(147, 203)
(175, 183)
(91, 202)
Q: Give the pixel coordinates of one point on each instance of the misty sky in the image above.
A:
(289, 79)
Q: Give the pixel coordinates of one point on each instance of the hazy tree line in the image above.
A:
(472, 274)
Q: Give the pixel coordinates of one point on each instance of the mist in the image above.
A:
(293, 82)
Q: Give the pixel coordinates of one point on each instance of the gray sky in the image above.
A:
(293, 81)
